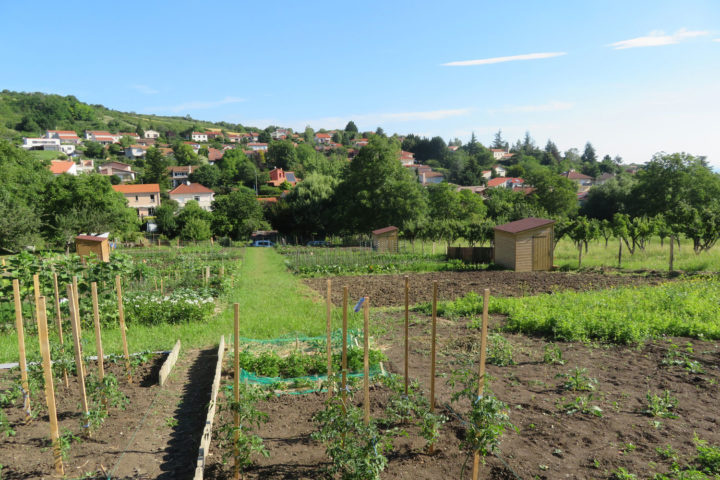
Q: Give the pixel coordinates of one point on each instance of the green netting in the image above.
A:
(304, 344)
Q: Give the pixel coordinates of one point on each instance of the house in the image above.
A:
(506, 182)
(525, 245)
(58, 167)
(86, 166)
(501, 153)
(65, 136)
(360, 142)
(252, 136)
(136, 151)
(584, 182)
(478, 189)
(122, 170)
(257, 146)
(199, 137)
(234, 137)
(144, 198)
(195, 146)
(134, 136)
(148, 142)
(185, 192)
(386, 239)
(279, 134)
(180, 174)
(602, 179)
(101, 136)
(213, 134)
(407, 158)
(431, 177)
(278, 177)
(52, 144)
(97, 245)
(323, 138)
(151, 134)
(214, 155)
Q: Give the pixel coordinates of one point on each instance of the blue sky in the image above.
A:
(632, 77)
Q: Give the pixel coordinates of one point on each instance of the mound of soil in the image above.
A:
(389, 290)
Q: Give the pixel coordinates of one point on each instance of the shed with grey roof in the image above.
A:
(525, 245)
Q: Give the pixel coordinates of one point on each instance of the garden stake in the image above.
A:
(366, 359)
(36, 289)
(328, 314)
(481, 372)
(58, 320)
(343, 383)
(21, 349)
(49, 390)
(74, 321)
(620, 252)
(162, 287)
(236, 389)
(407, 328)
(672, 252)
(98, 335)
(222, 271)
(76, 292)
(121, 318)
(431, 448)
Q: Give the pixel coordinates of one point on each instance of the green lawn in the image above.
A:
(272, 303)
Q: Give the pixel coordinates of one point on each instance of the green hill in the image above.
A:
(30, 114)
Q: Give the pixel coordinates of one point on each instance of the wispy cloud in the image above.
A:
(545, 107)
(513, 58)
(716, 39)
(657, 38)
(145, 89)
(196, 105)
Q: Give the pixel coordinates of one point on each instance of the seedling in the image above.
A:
(667, 452)
(582, 404)
(65, 441)
(622, 474)
(576, 380)
(661, 406)
(499, 351)
(553, 355)
(708, 457)
(5, 427)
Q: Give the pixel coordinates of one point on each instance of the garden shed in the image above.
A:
(386, 239)
(525, 245)
(91, 244)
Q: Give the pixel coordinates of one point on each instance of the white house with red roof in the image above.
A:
(122, 170)
(185, 192)
(65, 136)
(257, 146)
(58, 167)
(151, 134)
(199, 137)
(40, 143)
(179, 174)
(101, 136)
(505, 182)
(323, 138)
(407, 158)
(136, 151)
(214, 155)
(584, 182)
(132, 135)
(144, 198)
(213, 134)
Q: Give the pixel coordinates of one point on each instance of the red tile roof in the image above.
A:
(59, 166)
(573, 175)
(181, 169)
(138, 188)
(91, 238)
(497, 181)
(214, 154)
(380, 231)
(323, 135)
(523, 225)
(187, 189)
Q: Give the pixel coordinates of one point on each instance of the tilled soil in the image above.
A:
(157, 436)
(389, 290)
(548, 442)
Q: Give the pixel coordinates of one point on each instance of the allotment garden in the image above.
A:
(302, 362)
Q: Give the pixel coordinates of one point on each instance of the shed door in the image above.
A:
(541, 253)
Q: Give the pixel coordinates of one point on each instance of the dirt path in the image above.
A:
(388, 290)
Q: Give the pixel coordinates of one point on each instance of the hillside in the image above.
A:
(30, 114)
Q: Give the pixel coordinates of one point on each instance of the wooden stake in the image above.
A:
(619, 252)
(366, 359)
(236, 387)
(49, 389)
(481, 371)
(58, 321)
(221, 274)
(76, 292)
(36, 289)
(407, 331)
(98, 334)
(123, 334)
(74, 321)
(672, 252)
(162, 287)
(431, 448)
(21, 349)
(328, 333)
(343, 383)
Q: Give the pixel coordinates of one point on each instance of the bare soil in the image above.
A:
(157, 436)
(389, 290)
(548, 442)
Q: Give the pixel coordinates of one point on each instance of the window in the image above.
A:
(152, 198)
(197, 198)
(136, 198)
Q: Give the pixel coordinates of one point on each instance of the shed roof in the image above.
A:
(380, 231)
(523, 225)
(91, 238)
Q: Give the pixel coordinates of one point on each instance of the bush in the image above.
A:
(181, 306)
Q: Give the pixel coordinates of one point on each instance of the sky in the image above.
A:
(633, 77)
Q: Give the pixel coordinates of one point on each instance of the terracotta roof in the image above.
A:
(407, 155)
(523, 225)
(380, 231)
(257, 144)
(214, 154)
(67, 132)
(433, 174)
(91, 238)
(181, 169)
(323, 135)
(497, 181)
(573, 175)
(59, 166)
(267, 199)
(129, 134)
(192, 188)
(137, 188)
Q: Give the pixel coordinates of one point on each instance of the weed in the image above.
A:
(576, 380)
(667, 452)
(708, 457)
(674, 357)
(65, 441)
(661, 406)
(581, 404)
(5, 427)
(622, 474)
(499, 351)
(553, 355)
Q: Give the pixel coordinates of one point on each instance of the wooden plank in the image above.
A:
(407, 332)
(168, 364)
(344, 345)
(236, 388)
(204, 450)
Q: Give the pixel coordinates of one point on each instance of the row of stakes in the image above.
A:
(42, 326)
(366, 359)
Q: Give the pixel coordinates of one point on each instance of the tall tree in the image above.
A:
(237, 214)
(156, 168)
(351, 127)
(499, 142)
(589, 155)
(281, 154)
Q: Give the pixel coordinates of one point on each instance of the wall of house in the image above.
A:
(504, 249)
(205, 201)
(143, 199)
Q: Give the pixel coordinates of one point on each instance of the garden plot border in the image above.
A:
(207, 431)
(168, 364)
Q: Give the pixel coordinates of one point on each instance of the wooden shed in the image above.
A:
(525, 245)
(386, 239)
(90, 244)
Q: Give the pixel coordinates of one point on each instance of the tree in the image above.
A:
(614, 196)
(156, 168)
(351, 127)
(94, 150)
(552, 150)
(589, 155)
(499, 142)
(207, 175)
(237, 214)
(184, 154)
(378, 191)
(479, 232)
(310, 205)
(195, 229)
(281, 154)
(555, 194)
(581, 232)
(165, 218)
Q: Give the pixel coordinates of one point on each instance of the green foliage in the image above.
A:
(674, 357)
(581, 404)
(237, 214)
(298, 364)
(576, 380)
(622, 474)
(241, 443)
(357, 451)
(661, 406)
(553, 355)
(499, 350)
(180, 306)
(5, 426)
(708, 456)
(65, 441)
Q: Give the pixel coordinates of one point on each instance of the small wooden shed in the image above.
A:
(90, 244)
(525, 245)
(386, 239)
